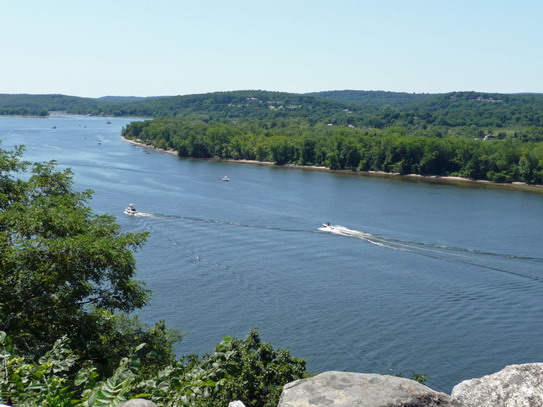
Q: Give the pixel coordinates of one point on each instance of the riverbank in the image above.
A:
(434, 179)
(149, 146)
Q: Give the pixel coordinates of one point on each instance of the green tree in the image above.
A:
(246, 369)
(65, 271)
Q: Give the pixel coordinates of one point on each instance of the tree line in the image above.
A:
(505, 157)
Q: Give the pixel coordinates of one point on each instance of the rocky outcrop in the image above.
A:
(339, 389)
(514, 386)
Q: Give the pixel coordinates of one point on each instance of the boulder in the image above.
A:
(341, 389)
(236, 403)
(137, 403)
(514, 386)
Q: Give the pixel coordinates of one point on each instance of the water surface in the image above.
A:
(438, 279)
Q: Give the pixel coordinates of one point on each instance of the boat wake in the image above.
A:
(146, 214)
(229, 223)
(472, 257)
(500, 262)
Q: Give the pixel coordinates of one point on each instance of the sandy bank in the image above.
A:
(150, 147)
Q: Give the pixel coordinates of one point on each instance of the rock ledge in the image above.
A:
(341, 389)
(514, 386)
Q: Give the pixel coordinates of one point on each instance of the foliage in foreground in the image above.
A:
(246, 370)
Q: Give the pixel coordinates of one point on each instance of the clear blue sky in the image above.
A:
(166, 47)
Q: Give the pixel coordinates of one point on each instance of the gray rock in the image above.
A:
(137, 403)
(340, 389)
(514, 386)
(236, 403)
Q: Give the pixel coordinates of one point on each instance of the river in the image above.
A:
(445, 280)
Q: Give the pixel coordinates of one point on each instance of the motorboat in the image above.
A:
(328, 225)
(225, 178)
(131, 210)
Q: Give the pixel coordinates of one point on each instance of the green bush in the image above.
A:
(247, 370)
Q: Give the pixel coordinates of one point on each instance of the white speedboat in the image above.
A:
(225, 178)
(328, 225)
(131, 210)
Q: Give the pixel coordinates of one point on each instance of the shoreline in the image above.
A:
(433, 179)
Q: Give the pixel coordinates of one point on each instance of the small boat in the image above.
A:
(328, 225)
(131, 210)
(54, 127)
(225, 178)
(108, 122)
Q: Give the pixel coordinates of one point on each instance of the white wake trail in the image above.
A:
(146, 214)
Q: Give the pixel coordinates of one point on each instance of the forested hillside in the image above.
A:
(238, 104)
(354, 108)
(373, 97)
(260, 105)
(41, 105)
(450, 109)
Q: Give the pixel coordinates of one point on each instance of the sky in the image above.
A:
(95, 48)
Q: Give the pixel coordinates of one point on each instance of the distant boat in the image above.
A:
(131, 210)
(54, 127)
(225, 178)
(108, 122)
(99, 142)
(328, 225)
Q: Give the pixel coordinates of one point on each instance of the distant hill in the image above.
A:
(236, 104)
(124, 99)
(40, 105)
(480, 109)
(376, 109)
(455, 109)
(253, 104)
(374, 98)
